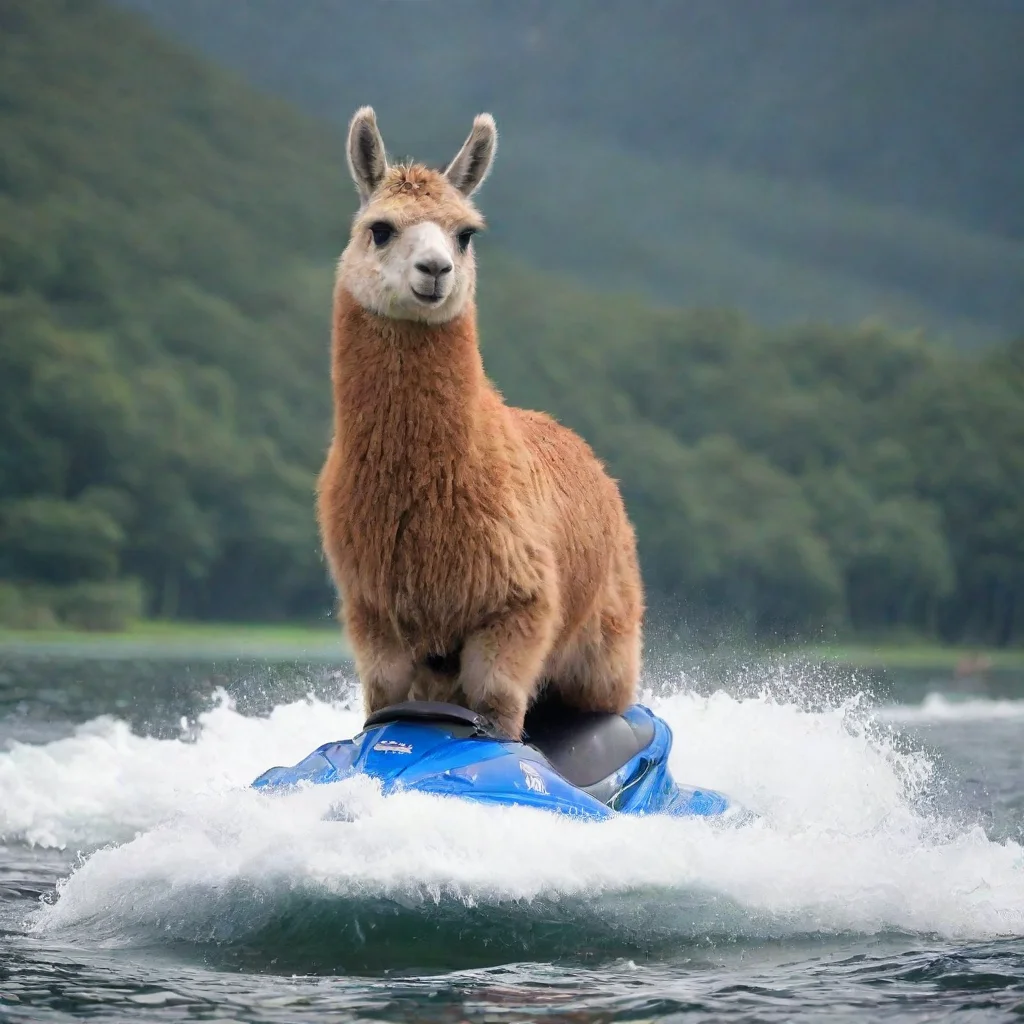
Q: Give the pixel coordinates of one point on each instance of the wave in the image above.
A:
(338, 876)
(938, 707)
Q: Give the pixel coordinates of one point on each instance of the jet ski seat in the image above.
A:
(585, 747)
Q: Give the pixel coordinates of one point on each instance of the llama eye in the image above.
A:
(464, 238)
(382, 232)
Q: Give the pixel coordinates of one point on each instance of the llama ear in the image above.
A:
(471, 164)
(366, 158)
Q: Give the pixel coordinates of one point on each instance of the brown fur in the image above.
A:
(481, 551)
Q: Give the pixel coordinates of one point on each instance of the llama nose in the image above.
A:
(434, 266)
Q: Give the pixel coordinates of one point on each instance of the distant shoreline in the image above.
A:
(187, 640)
(908, 655)
(326, 644)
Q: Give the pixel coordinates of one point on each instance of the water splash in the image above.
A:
(104, 783)
(847, 843)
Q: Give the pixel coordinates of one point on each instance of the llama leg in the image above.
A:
(602, 673)
(502, 663)
(429, 684)
(385, 669)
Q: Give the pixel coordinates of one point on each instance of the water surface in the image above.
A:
(141, 880)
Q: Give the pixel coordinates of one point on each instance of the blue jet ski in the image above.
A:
(590, 766)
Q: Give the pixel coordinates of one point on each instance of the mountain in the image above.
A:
(796, 160)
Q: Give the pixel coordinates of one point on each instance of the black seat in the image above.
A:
(433, 711)
(584, 747)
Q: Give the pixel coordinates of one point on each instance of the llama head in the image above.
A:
(410, 256)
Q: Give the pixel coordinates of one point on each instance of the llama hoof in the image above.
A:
(507, 720)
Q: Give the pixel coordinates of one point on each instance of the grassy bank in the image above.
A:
(325, 643)
(187, 640)
(909, 655)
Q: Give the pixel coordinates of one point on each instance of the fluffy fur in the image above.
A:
(481, 552)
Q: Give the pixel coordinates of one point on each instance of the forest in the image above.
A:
(167, 239)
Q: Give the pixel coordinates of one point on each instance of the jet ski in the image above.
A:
(585, 765)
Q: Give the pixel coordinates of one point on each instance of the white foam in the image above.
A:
(938, 707)
(104, 783)
(842, 845)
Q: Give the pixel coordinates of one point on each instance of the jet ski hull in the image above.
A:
(616, 764)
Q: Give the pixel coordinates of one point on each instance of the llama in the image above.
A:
(481, 552)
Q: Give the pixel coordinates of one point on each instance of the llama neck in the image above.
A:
(406, 394)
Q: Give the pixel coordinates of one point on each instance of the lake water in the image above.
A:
(140, 880)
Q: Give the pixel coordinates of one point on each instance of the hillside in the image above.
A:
(165, 244)
(796, 160)
(167, 237)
